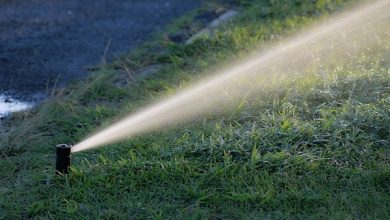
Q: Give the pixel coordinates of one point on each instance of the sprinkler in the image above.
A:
(63, 159)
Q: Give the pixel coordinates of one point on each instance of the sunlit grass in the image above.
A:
(316, 147)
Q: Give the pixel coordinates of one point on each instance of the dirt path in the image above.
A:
(41, 40)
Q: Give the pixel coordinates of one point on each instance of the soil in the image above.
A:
(45, 41)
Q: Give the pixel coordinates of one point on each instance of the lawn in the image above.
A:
(316, 148)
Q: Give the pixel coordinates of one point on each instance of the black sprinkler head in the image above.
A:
(63, 159)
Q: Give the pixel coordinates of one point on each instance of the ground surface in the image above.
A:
(316, 147)
(42, 40)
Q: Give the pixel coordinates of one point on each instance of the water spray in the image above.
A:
(339, 39)
(63, 159)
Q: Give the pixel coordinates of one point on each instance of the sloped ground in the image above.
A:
(316, 148)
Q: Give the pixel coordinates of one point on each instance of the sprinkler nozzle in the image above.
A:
(63, 159)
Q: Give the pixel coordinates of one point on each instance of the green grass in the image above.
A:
(317, 148)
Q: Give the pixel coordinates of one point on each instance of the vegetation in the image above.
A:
(318, 148)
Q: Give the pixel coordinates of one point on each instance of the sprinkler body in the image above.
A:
(63, 159)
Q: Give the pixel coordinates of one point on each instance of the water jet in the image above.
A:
(339, 40)
(63, 159)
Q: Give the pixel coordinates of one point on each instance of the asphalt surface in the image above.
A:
(41, 40)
